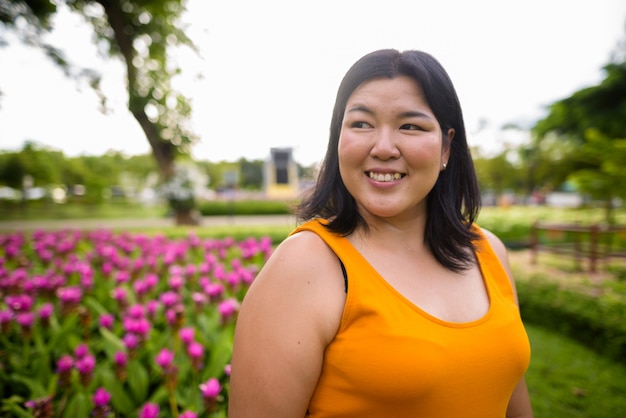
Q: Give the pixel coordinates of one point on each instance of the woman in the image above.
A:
(388, 301)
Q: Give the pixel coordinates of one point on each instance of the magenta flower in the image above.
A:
(149, 410)
(25, 319)
(176, 282)
(101, 397)
(119, 294)
(5, 320)
(228, 308)
(136, 311)
(165, 358)
(19, 303)
(227, 370)
(106, 321)
(81, 350)
(141, 326)
(186, 334)
(122, 277)
(120, 358)
(214, 290)
(152, 307)
(70, 295)
(151, 280)
(195, 350)
(45, 311)
(169, 299)
(131, 341)
(65, 363)
(211, 388)
(86, 364)
(188, 414)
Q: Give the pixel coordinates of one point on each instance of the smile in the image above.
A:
(384, 176)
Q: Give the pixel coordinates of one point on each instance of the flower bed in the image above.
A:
(96, 323)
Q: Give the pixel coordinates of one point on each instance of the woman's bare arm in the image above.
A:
(289, 315)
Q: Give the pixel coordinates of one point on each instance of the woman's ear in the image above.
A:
(445, 146)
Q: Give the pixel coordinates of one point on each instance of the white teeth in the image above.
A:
(384, 177)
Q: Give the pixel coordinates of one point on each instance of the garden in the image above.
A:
(139, 323)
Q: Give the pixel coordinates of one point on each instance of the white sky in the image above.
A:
(268, 70)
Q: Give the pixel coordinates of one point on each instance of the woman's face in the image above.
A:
(390, 148)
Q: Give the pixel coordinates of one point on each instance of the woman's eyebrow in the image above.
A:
(407, 114)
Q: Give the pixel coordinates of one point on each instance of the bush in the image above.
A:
(598, 321)
(245, 207)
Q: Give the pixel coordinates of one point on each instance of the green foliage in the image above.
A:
(245, 207)
(568, 380)
(594, 120)
(597, 320)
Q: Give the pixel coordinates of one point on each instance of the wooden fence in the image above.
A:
(591, 242)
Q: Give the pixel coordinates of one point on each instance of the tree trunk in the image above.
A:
(163, 151)
(189, 217)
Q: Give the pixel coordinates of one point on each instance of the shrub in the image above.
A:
(598, 321)
(245, 207)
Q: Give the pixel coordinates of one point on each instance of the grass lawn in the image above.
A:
(568, 380)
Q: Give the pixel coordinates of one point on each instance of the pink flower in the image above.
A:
(122, 277)
(120, 358)
(164, 358)
(25, 319)
(86, 364)
(186, 334)
(19, 303)
(228, 308)
(195, 350)
(119, 294)
(101, 397)
(149, 410)
(188, 414)
(227, 370)
(45, 311)
(70, 294)
(176, 282)
(136, 311)
(211, 388)
(81, 350)
(65, 363)
(131, 341)
(169, 299)
(106, 321)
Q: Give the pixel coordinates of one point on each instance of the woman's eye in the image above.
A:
(411, 127)
(361, 125)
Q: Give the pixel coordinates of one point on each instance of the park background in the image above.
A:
(122, 164)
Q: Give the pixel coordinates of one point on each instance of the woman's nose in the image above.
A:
(385, 144)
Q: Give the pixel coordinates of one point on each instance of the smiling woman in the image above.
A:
(388, 300)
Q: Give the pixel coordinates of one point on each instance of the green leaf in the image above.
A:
(95, 305)
(111, 342)
(120, 400)
(36, 388)
(138, 380)
(79, 405)
(221, 353)
(61, 335)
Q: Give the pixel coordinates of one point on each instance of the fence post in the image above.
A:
(593, 249)
(534, 241)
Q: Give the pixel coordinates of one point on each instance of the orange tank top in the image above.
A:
(389, 358)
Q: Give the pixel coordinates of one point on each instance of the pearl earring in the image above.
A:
(444, 165)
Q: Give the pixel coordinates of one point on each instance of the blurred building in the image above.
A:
(281, 175)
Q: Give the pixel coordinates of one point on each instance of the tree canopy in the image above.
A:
(141, 33)
(591, 126)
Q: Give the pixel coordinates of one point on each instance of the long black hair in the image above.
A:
(454, 201)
